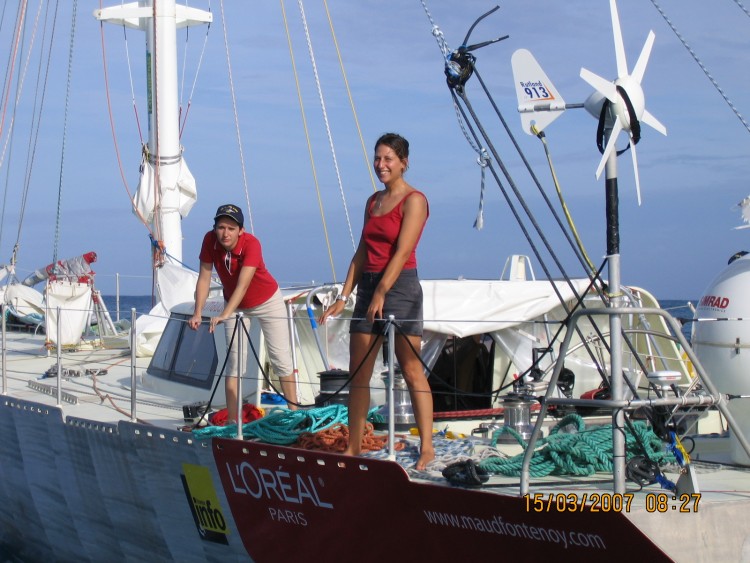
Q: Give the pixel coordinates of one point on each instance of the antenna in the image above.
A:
(621, 105)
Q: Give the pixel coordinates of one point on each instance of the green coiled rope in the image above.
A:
(583, 452)
(282, 426)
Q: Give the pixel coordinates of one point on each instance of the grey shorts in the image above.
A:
(403, 301)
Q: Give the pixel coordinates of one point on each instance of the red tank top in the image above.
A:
(380, 234)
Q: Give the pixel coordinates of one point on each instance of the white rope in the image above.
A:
(236, 117)
(311, 52)
(437, 33)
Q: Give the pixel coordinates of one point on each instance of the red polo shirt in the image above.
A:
(246, 254)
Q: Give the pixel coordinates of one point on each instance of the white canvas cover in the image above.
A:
(75, 302)
(465, 307)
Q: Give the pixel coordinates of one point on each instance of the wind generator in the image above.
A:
(619, 105)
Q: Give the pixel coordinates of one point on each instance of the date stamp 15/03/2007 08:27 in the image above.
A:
(610, 502)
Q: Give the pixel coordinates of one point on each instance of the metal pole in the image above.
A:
(117, 295)
(59, 357)
(133, 415)
(4, 351)
(293, 341)
(391, 378)
(241, 368)
(617, 385)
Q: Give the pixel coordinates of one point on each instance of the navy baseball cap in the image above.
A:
(231, 211)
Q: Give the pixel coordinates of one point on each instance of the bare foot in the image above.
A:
(426, 455)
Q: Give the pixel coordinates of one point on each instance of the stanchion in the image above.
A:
(133, 375)
(241, 366)
(59, 357)
(391, 379)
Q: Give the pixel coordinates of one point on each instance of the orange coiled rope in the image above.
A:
(336, 439)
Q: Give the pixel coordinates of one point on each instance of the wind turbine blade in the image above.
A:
(640, 65)
(652, 122)
(635, 172)
(622, 65)
(601, 85)
(609, 148)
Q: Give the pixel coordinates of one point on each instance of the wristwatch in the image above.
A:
(341, 297)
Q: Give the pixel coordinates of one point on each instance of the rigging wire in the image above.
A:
(12, 55)
(323, 109)
(356, 121)
(38, 107)
(700, 63)
(114, 130)
(742, 7)
(236, 116)
(65, 129)
(351, 103)
(197, 72)
(307, 135)
(130, 80)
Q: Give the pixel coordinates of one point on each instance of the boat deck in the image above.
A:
(97, 388)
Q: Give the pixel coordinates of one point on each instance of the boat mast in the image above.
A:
(160, 19)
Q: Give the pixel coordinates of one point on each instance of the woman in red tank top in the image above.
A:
(384, 270)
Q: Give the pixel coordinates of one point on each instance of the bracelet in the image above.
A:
(341, 297)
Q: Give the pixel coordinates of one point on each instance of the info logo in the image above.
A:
(204, 504)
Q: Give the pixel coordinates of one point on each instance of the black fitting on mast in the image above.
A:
(459, 65)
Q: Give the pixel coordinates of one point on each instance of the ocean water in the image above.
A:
(141, 303)
(678, 308)
(681, 311)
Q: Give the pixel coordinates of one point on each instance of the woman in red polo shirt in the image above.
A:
(248, 287)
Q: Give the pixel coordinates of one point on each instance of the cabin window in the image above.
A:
(184, 355)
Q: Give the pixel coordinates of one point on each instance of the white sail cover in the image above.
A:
(75, 302)
(144, 200)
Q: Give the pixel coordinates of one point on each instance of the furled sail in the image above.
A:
(144, 201)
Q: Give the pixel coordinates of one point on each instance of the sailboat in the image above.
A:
(104, 454)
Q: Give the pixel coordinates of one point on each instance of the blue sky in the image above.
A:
(672, 245)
